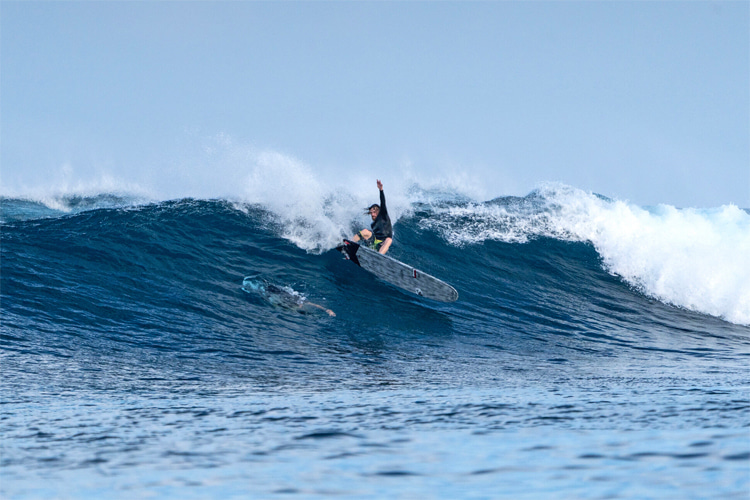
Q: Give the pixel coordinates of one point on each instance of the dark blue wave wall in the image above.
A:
(146, 296)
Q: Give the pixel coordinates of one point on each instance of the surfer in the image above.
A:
(381, 236)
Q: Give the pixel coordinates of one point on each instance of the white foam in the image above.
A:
(314, 214)
(64, 190)
(314, 210)
(698, 259)
(310, 214)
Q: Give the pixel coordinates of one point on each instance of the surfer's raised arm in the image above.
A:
(381, 235)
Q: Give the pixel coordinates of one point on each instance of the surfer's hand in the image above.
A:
(380, 185)
(331, 313)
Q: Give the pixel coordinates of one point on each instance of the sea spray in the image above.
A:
(691, 258)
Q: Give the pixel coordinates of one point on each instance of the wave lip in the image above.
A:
(690, 258)
(696, 259)
(29, 208)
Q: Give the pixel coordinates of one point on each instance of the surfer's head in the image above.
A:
(374, 210)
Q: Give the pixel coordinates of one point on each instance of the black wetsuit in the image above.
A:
(381, 226)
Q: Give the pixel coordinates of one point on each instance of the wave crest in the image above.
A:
(690, 258)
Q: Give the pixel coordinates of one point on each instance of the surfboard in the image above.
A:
(397, 273)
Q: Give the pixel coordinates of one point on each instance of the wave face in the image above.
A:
(589, 273)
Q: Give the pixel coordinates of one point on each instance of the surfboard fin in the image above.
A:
(349, 249)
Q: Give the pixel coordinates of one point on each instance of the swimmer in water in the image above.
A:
(282, 296)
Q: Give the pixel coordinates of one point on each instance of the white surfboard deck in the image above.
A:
(397, 273)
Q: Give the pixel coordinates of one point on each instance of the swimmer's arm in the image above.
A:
(330, 313)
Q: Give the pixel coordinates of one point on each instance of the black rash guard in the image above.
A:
(381, 226)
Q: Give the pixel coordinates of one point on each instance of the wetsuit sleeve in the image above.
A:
(381, 227)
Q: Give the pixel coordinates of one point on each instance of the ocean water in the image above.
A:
(597, 350)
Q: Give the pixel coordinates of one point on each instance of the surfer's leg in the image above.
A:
(385, 245)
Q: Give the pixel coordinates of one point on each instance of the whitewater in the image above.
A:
(598, 349)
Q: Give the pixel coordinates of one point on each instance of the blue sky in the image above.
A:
(644, 101)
